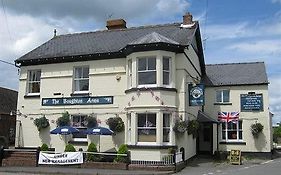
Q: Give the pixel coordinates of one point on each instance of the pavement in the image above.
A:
(198, 166)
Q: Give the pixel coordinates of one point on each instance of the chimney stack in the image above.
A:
(116, 24)
(187, 19)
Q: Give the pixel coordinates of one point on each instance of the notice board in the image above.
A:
(235, 157)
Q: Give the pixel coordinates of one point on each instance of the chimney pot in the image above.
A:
(187, 19)
(116, 24)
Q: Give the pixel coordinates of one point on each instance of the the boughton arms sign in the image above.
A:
(251, 102)
(77, 101)
(196, 95)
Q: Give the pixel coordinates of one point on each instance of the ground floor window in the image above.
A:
(79, 122)
(146, 127)
(232, 131)
(166, 127)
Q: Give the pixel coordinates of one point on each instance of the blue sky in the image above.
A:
(234, 31)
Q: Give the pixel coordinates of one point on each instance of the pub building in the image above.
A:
(155, 79)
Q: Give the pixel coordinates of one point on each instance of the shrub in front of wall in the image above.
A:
(256, 129)
(93, 157)
(44, 147)
(41, 123)
(69, 148)
(91, 122)
(116, 124)
(123, 149)
(64, 120)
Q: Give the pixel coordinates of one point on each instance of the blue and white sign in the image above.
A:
(251, 102)
(196, 95)
(77, 101)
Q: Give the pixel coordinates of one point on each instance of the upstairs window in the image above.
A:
(147, 71)
(34, 77)
(222, 96)
(166, 70)
(130, 73)
(81, 79)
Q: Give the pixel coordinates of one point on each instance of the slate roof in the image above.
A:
(110, 41)
(8, 100)
(235, 74)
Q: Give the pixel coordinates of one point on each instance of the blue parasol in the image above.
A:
(64, 130)
(98, 131)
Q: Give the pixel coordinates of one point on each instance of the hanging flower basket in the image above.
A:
(41, 123)
(192, 127)
(116, 124)
(64, 120)
(256, 129)
(180, 126)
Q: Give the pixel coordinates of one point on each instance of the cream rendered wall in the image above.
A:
(58, 78)
(263, 143)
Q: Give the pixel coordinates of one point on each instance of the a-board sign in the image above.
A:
(235, 157)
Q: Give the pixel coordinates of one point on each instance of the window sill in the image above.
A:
(153, 146)
(80, 94)
(151, 88)
(225, 103)
(233, 143)
(32, 96)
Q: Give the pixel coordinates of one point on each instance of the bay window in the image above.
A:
(146, 127)
(166, 70)
(147, 71)
(34, 77)
(81, 79)
(166, 127)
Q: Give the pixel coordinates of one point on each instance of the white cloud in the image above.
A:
(262, 47)
(276, 1)
(275, 97)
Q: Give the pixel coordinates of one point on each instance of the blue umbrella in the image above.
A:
(64, 130)
(98, 131)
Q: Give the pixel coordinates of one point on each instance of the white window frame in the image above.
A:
(79, 127)
(168, 128)
(155, 128)
(129, 128)
(30, 82)
(147, 70)
(167, 71)
(226, 130)
(222, 92)
(80, 79)
(130, 73)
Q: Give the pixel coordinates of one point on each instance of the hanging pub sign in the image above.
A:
(196, 94)
(77, 101)
(251, 102)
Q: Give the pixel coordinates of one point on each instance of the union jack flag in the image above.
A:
(228, 116)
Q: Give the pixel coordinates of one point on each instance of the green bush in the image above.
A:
(64, 120)
(41, 123)
(93, 157)
(44, 147)
(116, 124)
(276, 134)
(123, 149)
(69, 148)
(91, 122)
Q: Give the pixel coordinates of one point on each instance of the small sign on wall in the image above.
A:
(196, 95)
(251, 102)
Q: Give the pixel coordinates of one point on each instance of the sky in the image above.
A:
(232, 31)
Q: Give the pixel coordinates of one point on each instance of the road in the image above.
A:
(269, 167)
